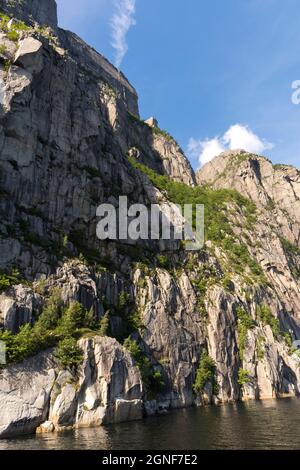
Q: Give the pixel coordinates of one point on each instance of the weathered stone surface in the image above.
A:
(24, 395)
(18, 306)
(29, 55)
(35, 395)
(43, 12)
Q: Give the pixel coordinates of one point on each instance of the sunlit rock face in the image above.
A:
(69, 133)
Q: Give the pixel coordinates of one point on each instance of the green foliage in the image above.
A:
(131, 320)
(206, 372)
(54, 324)
(163, 133)
(218, 225)
(9, 278)
(244, 377)
(51, 313)
(74, 318)
(293, 255)
(207, 278)
(92, 172)
(3, 49)
(259, 346)
(163, 262)
(104, 326)
(13, 35)
(264, 314)
(68, 353)
(245, 323)
(152, 379)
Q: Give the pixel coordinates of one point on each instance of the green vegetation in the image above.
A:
(206, 372)
(152, 378)
(131, 318)
(245, 323)
(104, 326)
(207, 277)
(293, 255)
(54, 325)
(13, 35)
(264, 314)
(218, 225)
(163, 262)
(259, 347)
(92, 172)
(9, 278)
(244, 377)
(163, 133)
(3, 49)
(68, 353)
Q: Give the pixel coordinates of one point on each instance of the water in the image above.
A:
(268, 424)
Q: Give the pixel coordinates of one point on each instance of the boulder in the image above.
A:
(29, 55)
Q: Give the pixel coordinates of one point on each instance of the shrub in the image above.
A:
(13, 35)
(163, 262)
(74, 318)
(152, 378)
(245, 323)
(55, 324)
(68, 353)
(243, 377)
(206, 372)
(104, 325)
(265, 316)
(8, 279)
(51, 313)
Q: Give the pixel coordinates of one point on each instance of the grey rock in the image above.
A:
(43, 12)
(18, 306)
(29, 55)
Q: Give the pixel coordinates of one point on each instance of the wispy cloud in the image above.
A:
(122, 20)
(236, 137)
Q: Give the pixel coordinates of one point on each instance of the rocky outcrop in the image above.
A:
(43, 12)
(24, 395)
(275, 189)
(18, 305)
(29, 55)
(37, 395)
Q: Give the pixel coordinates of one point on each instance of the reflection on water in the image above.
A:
(268, 424)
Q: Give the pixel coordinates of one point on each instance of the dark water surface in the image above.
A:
(267, 424)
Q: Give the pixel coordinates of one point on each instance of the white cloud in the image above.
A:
(122, 20)
(235, 138)
(241, 137)
(205, 150)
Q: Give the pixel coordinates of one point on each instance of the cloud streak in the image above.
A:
(237, 137)
(121, 22)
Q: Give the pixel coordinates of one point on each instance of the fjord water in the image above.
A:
(268, 424)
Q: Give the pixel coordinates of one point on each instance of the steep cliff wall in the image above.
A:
(158, 327)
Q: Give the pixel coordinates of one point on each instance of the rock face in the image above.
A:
(43, 12)
(18, 306)
(28, 55)
(70, 139)
(24, 395)
(36, 395)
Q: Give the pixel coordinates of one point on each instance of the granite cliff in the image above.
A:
(99, 332)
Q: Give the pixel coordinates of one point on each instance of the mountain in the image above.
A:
(108, 331)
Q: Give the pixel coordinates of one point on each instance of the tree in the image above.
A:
(68, 353)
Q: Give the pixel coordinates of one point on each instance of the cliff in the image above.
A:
(157, 327)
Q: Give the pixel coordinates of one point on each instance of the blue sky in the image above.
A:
(209, 70)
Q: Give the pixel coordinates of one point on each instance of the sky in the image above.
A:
(216, 74)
